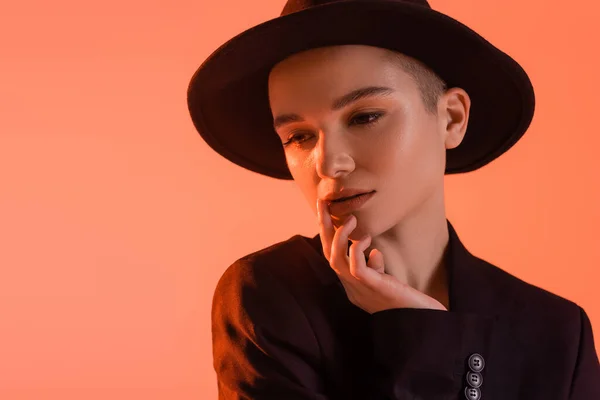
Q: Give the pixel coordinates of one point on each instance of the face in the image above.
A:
(386, 142)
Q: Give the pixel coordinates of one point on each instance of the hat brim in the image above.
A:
(228, 94)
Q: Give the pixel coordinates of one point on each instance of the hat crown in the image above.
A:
(293, 6)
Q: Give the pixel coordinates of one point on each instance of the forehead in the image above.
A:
(323, 73)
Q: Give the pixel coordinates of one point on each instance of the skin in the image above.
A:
(401, 155)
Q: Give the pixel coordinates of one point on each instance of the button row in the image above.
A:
(474, 377)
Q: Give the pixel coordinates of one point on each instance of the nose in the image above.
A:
(333, 156)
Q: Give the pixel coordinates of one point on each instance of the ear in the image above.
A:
(456, 105)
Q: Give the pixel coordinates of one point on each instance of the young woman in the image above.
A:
(366, 105)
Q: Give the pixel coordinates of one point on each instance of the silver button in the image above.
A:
(474, 379)
(472, 393)
(476, 362)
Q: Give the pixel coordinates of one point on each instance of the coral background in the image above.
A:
(117, 220)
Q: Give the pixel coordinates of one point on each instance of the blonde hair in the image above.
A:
(430, 84)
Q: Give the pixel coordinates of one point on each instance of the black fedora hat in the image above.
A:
(228, 94)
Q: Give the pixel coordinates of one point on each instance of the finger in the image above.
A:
(357, 257)
(326, 228)
(375, 261)
(339, 246)
(358, 264)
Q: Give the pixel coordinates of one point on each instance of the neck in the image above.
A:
(414, 250)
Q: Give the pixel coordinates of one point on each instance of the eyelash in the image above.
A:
(377, 116)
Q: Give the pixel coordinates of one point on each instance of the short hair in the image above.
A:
(430, 84)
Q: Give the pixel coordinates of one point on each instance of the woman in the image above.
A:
(366, 105)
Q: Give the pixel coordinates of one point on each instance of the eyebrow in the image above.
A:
(355, 95)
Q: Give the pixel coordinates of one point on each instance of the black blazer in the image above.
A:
(283, 328)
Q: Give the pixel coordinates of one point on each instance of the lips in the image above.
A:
(349, 204)
(347, 198)
(346, 192)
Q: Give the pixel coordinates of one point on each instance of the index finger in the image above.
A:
(326, 228)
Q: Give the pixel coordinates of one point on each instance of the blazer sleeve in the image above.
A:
(586, 377)
(263, 345)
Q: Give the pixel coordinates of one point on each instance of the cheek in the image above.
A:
(407, 155)
(390, 150)
(293, 163)
(301, 168)
(306, 181)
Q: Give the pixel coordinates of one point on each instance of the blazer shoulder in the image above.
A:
(532, 298)
(283, 263)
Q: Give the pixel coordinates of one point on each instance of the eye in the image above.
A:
(368, 122)
(371, 119)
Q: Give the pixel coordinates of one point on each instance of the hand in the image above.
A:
(367, 285)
